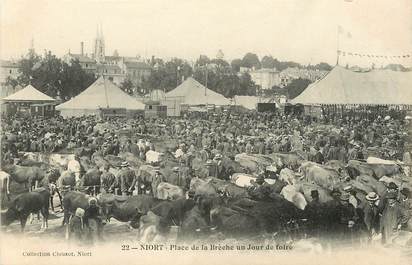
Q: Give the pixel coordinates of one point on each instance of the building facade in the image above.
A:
(115, 67)
(292, 73)
(265, 78)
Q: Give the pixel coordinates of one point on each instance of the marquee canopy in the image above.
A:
(194, 93)
(28, 94)
(101, 94)
(343, 86)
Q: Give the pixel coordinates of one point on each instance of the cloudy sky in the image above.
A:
(299, 30)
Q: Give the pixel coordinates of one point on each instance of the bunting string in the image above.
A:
(354, 54)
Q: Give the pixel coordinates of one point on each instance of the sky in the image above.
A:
(298, 30)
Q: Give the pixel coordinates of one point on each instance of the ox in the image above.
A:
(25, 204)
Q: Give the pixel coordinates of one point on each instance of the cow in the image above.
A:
(362, 167)
(133, 161)
(5, 187)
(126, 209)
(167, 191)
(291, 160)
(60, 160)
(235, 222)
(374, 184)
(113, 160)
(253, 163)
(244, 180)
(172, 213)
(153, 157)
(90, 182)
(288, 176)
(376, 170)
(25, 175)
(145, 176)
(290, 193)
(92, 211)
(25, 204)
(306, 188)
(324, 177)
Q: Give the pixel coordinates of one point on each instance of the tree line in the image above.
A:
(51, 75)
(57, 78)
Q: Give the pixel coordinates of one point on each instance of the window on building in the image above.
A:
(10, 71)
(87, 65)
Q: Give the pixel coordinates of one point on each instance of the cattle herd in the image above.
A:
(169, 188)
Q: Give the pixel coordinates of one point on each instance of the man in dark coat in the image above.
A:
(313, 211)
(346, 218)
(108, 180)
(392, 218)
(127, 178)
(371, 214)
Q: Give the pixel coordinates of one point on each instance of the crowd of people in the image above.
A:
(209, 140)
(331, 138)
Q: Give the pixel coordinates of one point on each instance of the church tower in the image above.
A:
(99, 53)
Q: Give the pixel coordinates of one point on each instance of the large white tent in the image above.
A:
(343, 87)
(101, 94)
(28, 94)
(194, 93)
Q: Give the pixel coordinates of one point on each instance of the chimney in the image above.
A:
(81, 48)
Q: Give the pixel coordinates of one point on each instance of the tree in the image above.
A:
(320, 66)
(251, 60)
(296, 87)
(246, 87)
(166, 75)
(236, 63)
(127, 86)
(202, 60)
(53, 76)
(268, 62)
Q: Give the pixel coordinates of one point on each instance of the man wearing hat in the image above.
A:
(346, 217)
(204, 171)
(406, 205)
(371, 214)
(127, 179)
(220, 171)
(391, 189)
(174, 178)
(157, 179)
(392, 219)
(108, 180)
(314, 213)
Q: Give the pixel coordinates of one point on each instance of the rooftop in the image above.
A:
(82, 58)
(8, 63)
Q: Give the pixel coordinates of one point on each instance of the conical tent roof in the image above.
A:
(29, 93)
(343, 86)
(194, 93)
(102, 94)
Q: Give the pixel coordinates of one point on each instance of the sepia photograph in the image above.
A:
(206, 132)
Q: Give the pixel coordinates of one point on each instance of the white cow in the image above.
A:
(290, 193)
(288, 176)
(153, 156)
(244, 180)
(60, 160)
(5, 181)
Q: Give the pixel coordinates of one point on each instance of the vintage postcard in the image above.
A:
(206, 132)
